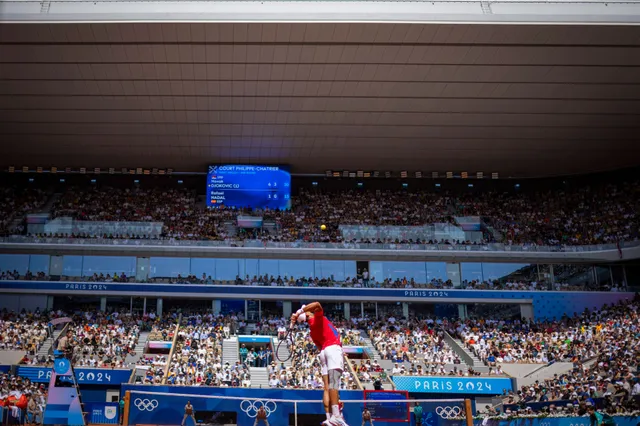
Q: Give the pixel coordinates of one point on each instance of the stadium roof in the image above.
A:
(522, 100)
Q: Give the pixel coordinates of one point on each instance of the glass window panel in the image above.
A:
(108, 265)
(39, 263)
(573, 277)
(618, 277)
(297, 268)
(204, 266)
(603, 274)
(339, 269)
(169, 267)
(14, 262)
(228, 306)
(269, 267)
(252, 267)
(72, 266)
(510, 272)
(228, 269)
(471, 271)
(399, 270)
(436, 271)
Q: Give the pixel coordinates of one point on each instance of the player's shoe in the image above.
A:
(337, 421)
(326, 423)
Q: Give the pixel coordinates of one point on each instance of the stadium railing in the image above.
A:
(493, 247)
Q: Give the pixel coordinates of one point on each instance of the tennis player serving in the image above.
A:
(327, 338)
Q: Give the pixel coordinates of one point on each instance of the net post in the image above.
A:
(125, 410)
(468, 412)
(295, 413)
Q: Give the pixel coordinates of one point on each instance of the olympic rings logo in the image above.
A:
(145, 404)
(251, 408)
(448, 412)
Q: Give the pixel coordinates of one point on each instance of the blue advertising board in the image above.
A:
(84, 376)
(103, 412)
(546, 304)
(453, 385)
(145, 408)
(4, 369)
(255, 186)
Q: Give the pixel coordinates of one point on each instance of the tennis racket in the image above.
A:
(283, 350)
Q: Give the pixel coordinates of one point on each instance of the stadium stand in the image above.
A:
(600, 214)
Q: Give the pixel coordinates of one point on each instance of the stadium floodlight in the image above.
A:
(387, 174)
(404, 174)
(494, 175)
(139, 170)
(360, 173)
(449, 175)
(464, 175)
(161, 171)
(418, 175)
(154, 171)
(132, 171)
(67, 170)
(96, 170)
(345, 173)
(39, 169)
(352, 174)
(54, 170)
(83, 170)
(125, 171)
(112, 170)
(376, 174)
(147, 171)
(328, 173)
(336, 174)
(367, 174)
(435, 175)
(25, 169)
(12, 169)
(169, 171)
(480, 175)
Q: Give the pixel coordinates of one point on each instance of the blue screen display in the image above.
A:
(252, 186)
(385, 411)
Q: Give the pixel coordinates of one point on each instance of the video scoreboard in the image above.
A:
(255, 186)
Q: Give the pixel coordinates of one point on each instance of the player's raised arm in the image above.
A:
(312, 308)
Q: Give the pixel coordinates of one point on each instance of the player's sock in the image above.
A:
(328, 416)
(335, 410)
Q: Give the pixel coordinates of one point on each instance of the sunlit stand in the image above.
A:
(63, 403)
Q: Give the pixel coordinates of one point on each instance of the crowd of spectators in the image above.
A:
(22, 331)
(24, 400)
(519, 341)
(197, 359)
(413, 341)
(15, 203)
(583, 215)
(586, 215)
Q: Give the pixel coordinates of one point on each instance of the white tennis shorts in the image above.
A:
(331, 358)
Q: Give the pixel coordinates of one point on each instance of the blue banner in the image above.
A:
(4, 369)
(102, 412)
(546, 304)
(145, 408)
(254, 339)
(84, 376)
(453, 385)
